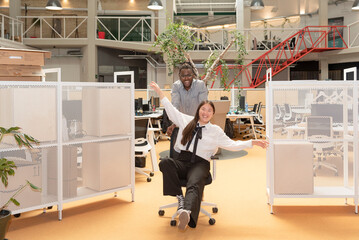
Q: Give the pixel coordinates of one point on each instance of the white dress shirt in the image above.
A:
(213, 136)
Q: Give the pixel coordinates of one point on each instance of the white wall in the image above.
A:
(71, 66)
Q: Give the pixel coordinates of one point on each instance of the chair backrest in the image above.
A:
(141, 128)
(319, 127)
(222, 108)
(255, 107)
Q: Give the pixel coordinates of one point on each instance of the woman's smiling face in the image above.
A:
(205, 114)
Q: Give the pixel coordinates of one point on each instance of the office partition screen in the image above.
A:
(317, 134)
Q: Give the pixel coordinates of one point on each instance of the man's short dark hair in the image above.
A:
(187, 65)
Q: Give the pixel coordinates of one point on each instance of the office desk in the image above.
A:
(233, 117)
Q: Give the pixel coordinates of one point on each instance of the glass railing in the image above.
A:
(11, 28)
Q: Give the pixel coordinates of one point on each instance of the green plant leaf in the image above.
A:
(33, 186)
(14, 201)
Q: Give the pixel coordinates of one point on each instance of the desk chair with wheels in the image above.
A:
(183, 182)
(320, 132)
(142, 148)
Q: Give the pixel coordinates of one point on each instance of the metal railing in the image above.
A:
(11, 29)
(256, 39)
(64, 27)
(353, 34)
(130, 29)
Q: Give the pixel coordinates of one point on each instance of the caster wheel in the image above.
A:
(149, 179)
(173, 223)
(161, 212)
(50, 207)
(17, 215)
(215, 210)
(212, 221)
(152, 174)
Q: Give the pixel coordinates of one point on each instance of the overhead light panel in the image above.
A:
(257, 4)
(53, 5)
(155, 5)
(356, 5)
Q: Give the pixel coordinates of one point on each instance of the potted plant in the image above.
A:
(100, 31)
(7, 168)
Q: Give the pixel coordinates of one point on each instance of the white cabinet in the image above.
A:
(57, 164)
(105, 111)
(33, 110)
(105, 165)
(293, 168)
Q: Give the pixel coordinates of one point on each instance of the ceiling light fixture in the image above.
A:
(257, 4)
(53, 5)
(356, 5)
(155, 5)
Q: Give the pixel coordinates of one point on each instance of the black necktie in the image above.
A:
(198, 132)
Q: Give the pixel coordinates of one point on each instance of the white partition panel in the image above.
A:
(315, 120)
(86, 140)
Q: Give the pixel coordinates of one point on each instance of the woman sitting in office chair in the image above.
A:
(193, 162)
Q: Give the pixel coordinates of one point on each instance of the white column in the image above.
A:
(323, 21)
(243, 20)
(323, 69)
(323, 12)
(90, 52)
(169, 19)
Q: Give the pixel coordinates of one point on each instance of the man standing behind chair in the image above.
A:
(187, 94)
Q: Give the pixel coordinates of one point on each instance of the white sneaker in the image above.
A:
(184, 217)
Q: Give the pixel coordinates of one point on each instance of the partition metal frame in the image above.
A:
(345, 191)
(59, 143)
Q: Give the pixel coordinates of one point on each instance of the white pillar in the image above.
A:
(323, 65)
(323, 12)
(169, 19)
(90, 72)
(243, 21)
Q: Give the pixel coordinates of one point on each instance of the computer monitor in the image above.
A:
(242, 103)
(331, 110)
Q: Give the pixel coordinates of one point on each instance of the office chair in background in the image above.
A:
(142, 148)
(258, 123)
(319, 129)
(183, 183)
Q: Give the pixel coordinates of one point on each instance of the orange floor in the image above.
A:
(239, 191)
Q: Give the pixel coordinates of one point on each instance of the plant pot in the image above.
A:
(101, 35)
(5, 217)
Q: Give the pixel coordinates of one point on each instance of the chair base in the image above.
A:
(142, 171)
(161, 211)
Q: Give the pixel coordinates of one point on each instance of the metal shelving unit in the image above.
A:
(86, 139)
(340, 181)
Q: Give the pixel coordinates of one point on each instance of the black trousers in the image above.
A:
(196, 175)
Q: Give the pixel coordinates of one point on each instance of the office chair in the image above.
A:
(247, 121)
(289, 117)
(319, 129)
(142, 148)
(183, 182)
(258, 123)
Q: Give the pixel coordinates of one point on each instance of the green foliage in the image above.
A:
(174, 42)
(239, 45)
(7, 168)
